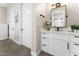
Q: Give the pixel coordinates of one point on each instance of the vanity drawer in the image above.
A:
(44, 40)
(75, 38)
(45, 48)
(74, 46)
(44, 34)
(45, 45)
(60, 36)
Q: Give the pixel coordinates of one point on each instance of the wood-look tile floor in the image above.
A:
(44, 54)
(10, 48)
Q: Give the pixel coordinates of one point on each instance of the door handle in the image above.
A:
(21, 29)
(68, 45)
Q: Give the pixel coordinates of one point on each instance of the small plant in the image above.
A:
(75, 27)
(47, 25)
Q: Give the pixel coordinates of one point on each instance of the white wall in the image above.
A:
(38, 9)
(73, 13)
(3, 23)
(3, 31)
(3, 15)
(27, 24)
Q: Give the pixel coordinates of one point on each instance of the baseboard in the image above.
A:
(35, 53)
(19, 43)
(23, 43)
(3, 38)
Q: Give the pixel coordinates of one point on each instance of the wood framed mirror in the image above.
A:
(59, 15)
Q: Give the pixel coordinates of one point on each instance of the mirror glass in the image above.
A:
(59, 16)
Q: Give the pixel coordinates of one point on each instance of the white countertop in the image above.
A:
(60, 32)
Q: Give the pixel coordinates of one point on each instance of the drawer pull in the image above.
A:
(75, 55)
(44, 38)
(76, 44)
(44, 33)
(44, 44)
(68, 45)
(76, 36)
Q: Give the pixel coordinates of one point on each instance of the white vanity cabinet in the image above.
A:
(45, 42)
(55, 43)
(74, 45)
(58, 47)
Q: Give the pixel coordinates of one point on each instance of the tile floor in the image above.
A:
(9, 48)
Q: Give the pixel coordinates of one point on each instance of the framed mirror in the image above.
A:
(59, 17)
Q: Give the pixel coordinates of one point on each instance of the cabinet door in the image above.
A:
(58, 47)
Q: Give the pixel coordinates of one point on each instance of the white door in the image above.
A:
(11, 23)
(14, 21)
(59, 47)
(17, 23)
(27, 24)
(17, 30)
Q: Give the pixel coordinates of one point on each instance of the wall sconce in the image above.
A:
(42, 16)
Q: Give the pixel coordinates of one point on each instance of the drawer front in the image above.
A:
(44, 44)
(72, 53)
(60, 36)
(45, 48)
(74, 46)
(76, 38)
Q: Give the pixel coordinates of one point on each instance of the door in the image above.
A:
(17, 23)
(17, 30)
(27, 25)
(59, 47)
(11, 23)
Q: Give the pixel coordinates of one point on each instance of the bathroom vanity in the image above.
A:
(60, 43)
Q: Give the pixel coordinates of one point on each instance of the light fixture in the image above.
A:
(55, 5)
